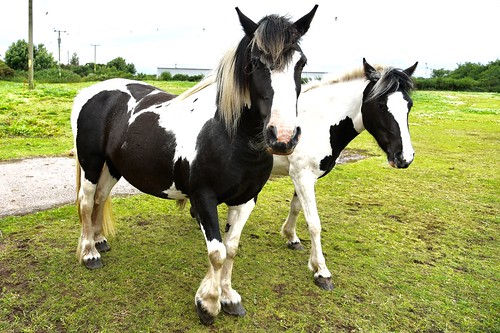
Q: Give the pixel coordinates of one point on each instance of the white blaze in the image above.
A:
(398, 107)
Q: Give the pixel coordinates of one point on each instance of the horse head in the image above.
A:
(385, 109)
(267, 68)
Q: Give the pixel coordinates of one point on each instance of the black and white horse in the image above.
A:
(332, 113)
(211, 145)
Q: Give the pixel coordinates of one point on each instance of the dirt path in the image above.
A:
(35, 184)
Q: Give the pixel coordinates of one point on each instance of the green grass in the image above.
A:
(37, 122)
(414, 250)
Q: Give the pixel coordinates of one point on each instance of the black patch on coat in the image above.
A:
(140, 90)
(155, 99)
(94, 121)
(181, 175)
(145, 155)
(340, 136)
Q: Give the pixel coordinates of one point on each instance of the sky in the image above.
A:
(196, 33)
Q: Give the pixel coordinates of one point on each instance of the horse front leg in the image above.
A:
(207, 298)
(237, 216)
(288, 228)
(305, 188)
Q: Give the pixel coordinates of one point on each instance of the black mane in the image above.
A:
(391, 80)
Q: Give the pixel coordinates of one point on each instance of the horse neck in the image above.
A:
(336, 102)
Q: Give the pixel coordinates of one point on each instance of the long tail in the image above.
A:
(108, 225)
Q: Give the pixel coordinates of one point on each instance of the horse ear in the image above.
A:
(248, 25)
(303, 23)
(410, 70)
(370, 72)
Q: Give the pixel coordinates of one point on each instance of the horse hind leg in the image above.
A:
(103, 220)
(86, 250)
(93, 212)
(288, 228)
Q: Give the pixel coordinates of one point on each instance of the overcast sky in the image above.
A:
(195, 33)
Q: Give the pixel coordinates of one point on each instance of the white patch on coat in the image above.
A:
(318, 109)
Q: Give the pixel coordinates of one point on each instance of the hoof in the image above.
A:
(93, 263)
(205, 317)
(324, 283)
(102, 246)
(234, 309)
(295, 246)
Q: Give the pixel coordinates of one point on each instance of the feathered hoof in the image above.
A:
(102, 246)
(324, 283)
(93, 263)
(296, 246)
(234, 309)
(205, 317)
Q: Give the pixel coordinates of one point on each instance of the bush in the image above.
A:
(52, 76)
(5, 71)
(166, 76)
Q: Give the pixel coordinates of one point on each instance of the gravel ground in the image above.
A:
(36, 184)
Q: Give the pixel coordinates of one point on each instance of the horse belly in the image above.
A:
(145, 156)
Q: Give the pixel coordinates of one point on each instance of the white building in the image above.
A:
(204, 71)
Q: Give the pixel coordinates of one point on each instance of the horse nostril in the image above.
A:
(296, 134)
(272, 133)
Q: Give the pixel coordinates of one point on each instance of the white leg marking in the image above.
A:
(304, 187)
(210, 289)
(288, 228)
(237, 217)
(86, 246)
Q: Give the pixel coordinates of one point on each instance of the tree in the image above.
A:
(469, 69)
(75, 61)
(16, 56)
(42, 58)
(118, 63)
(121, 65)
(440, 72)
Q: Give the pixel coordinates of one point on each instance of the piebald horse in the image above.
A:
(211, 145)
(332, 113)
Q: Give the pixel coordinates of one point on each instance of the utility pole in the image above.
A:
(59, 47)
(30, 45)
(95, 63)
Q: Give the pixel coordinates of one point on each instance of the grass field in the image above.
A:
(414, 250)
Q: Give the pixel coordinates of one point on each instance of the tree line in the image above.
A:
(15, 66)
(466, 77)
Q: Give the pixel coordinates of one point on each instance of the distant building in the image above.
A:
(182, 70)
(204, 71)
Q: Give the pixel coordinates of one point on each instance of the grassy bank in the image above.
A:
(413, 250)
(37, 122)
